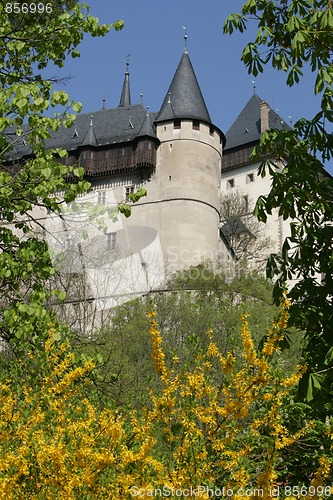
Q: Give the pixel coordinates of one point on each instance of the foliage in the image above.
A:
(198, 300)
(56, 443)
(31, 178)
(296, 36)
(123, 371)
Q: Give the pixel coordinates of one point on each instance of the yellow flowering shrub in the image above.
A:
(216, 429)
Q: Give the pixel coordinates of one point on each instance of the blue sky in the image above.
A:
(153, 36)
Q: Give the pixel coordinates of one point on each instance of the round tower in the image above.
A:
(188, 171)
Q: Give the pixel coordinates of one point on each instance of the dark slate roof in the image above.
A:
(90, 138)
(247, 127)
(184, 98)
(111, 126)
(148, 128)
(104, 127)
(20, 146)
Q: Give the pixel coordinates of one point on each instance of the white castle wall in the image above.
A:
(276, 228)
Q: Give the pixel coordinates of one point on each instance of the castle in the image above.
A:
(186, 164)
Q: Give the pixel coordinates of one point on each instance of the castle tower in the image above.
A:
(188, 172)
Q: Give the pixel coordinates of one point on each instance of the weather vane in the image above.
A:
(127, 61)
(185, 37)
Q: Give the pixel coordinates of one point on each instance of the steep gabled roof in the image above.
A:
(247, 126)
(184, 98)
(148, 128)
(90, 138)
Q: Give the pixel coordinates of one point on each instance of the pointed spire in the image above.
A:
(125, 99)
(184, 98)
(90, 137)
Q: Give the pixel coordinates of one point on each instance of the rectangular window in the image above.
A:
(249, 178)
(211, 130)
(128, 190)
(111, 241)
(101, 196)
(195, 125)
(176, 124)
(230, 183)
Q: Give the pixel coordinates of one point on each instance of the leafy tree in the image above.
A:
(296, 36)
(198, 300)
(31, 178)
(220, 423)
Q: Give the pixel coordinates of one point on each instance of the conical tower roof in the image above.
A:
(184, 98)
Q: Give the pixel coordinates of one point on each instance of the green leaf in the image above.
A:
(329, 357)
(76, 106)
(57, 336)
(124, 209)
(22, 104)
(79, 172)
(46, 172)
(62, 295)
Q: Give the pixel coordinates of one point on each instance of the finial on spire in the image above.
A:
(185, 38)
(127, 63)
(103, 106)
(254, 87)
